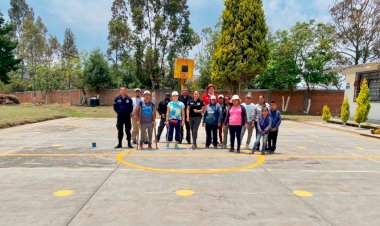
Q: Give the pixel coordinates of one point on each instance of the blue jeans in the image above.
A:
(177, 128)
(257, 142)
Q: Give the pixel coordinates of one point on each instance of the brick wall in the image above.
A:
(297, 102)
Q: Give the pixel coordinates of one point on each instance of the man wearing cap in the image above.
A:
(210, 91)
(250, 109)
(161, 109)
(123, 106)
(146, 118)
(136, 102)
(185, 99)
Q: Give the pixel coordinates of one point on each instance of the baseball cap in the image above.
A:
(175, 93)
(220, 96)
(213, 97)
(147, 92)
(137, 90)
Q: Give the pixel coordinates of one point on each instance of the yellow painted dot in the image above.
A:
(57, 145)
(303, 193)
(184, 192)
(62, 193)
(301, 147)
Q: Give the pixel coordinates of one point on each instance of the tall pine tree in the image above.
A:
(69, 55)
(242, 50)
(8, 62)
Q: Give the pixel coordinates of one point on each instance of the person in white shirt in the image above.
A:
(136, 102)
(250, 109)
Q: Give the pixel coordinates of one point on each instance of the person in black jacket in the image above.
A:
(123, 106)
(185, 99)
(162, 108)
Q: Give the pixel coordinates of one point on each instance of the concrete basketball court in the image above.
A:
(50, 175)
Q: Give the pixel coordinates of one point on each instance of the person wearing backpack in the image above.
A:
(236, 119)
(146, 118)
(211, 120)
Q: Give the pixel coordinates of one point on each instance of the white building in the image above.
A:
(354, 76)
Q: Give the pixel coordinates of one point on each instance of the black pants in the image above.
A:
(235, 132)
(187, 125)
(272, 140)
(123, 121)
(211, 132)
(161, 129)
(257, 131)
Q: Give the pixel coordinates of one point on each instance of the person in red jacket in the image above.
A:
(210, 91)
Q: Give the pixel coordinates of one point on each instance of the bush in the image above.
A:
(345, 111)
(9, 99)
(326, 114)
(364, 106)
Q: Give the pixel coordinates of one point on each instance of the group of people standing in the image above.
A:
(219, 115)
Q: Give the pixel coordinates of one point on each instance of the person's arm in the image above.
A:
(167, 115)
(279, 121)
(188, 113)
(115, 105)
(269, 125)
(220, 115)
(204, 117)
(137, 113)
(183, 115)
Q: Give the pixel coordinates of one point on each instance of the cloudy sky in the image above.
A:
(89, 18)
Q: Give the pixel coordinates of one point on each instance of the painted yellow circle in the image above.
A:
(57, 145)
(303, 193)
(120, 158)
(301, 147)
(184, 192)
(62, 193)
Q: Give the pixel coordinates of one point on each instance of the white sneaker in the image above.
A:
(247, 147)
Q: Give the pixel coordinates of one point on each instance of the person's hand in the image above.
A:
(188, 119)
(246, 126)
(224, 126)
(203, 125)
(182, 123)
(137, 122)
(163, 116)
(253, 124)
(154, 123)
(263, 133)
(166, 123)
(219, 124)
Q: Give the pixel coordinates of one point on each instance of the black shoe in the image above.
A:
(188, 142)
(238, 150)
(134, 142)
(146, 142)
(216, 147)
(118, 146)
(207, 146)
(130, 146)
(232, 150)
(262, 152)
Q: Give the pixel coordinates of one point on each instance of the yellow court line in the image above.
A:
(182, 155)
(121, 155)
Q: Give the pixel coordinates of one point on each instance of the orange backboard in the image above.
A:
(184, 68)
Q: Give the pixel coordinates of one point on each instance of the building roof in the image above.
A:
(365, 67)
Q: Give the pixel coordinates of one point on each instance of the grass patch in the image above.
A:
(301, 117)
(13, 115)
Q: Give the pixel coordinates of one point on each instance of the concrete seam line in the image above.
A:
(96, 191)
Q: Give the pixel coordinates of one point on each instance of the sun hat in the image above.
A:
(235, 97)
(210, 85)
(175, 93)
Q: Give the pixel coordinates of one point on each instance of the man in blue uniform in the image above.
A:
(123, 106)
